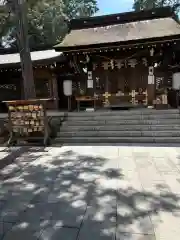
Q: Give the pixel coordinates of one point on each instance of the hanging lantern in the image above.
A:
(67, 87)
(176, 81)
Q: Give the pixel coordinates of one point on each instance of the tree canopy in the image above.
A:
(149, 4)
(47, 19)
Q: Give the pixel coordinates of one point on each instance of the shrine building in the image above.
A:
(46, 65)
(123, 60)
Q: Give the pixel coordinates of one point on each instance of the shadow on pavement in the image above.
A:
(52, 195)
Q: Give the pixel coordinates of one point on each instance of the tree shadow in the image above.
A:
(58, 194)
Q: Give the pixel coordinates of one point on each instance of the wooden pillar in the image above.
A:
(151, 80)
(55, 91)
(90, 91)
(151, 90)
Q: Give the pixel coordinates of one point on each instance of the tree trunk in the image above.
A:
(23, 44)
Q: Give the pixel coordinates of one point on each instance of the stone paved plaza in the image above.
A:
(89, 193)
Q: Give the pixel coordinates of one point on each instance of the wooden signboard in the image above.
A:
(28, 120)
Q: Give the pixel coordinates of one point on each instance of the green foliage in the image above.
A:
(47, 19)
(79, 8)
(149, 4)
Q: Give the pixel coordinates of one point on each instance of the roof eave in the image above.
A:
(116, 44)
(35, 62)
(124, 17)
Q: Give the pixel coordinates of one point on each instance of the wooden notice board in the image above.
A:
(28, 121)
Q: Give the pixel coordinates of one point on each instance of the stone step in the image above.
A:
(123, 117)
(123, 113)
(105, 134)
(122, 122)
(124, 140)
(135, 126)
(120, 128)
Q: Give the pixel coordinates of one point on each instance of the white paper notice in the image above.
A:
(150, 79)
(90, 83)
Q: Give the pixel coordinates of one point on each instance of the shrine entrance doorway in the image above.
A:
(124, 88)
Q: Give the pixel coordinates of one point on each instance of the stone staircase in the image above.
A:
(133, 126)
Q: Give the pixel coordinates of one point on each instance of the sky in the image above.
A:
(114, 6)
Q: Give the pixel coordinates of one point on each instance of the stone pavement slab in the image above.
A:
(68, 215)
(129, 180)
(133, 212)
(11, 210)
(36, 216)
(4, 228)
(56, 233)
(126, 163)
(100, 219)
(9, 170)
(134, 223)
(40, 214)
(22, 231)
(4, 193)
(97, 231)
(41, 194)
(164, 165)
(129, 236)
(17, 190)
(173, 181)
(105, 152)
(166, 225)
(91, 192)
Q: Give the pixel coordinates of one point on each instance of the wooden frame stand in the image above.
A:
(28, 121)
